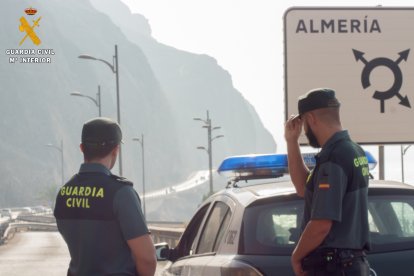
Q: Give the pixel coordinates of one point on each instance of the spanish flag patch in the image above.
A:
(324, 186)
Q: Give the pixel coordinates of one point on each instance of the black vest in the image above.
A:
(89, 196)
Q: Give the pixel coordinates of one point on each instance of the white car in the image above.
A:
(251, 228)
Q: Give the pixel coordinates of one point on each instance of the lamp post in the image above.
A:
(97, 101)
(61, 156)
(403, 151)
(141, 142)
(210, 128)
(115, 69)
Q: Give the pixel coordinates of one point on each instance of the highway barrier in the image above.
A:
(24, 226)
(4, 224)
(170, 235)
(169, 232)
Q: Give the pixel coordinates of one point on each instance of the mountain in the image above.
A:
(199, 83)
(161, 90)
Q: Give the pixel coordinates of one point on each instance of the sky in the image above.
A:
(246, 39)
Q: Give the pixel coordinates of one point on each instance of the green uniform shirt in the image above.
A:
(337, 190)
(96, 213)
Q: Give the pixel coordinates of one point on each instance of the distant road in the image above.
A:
(196, 179)
(34, 254)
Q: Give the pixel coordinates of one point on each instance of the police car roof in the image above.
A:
(389, 184)
(284, 188)
(245, 195)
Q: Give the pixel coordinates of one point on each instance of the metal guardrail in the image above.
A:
(22, 226)
(166, 234)
(37, 218)
(161, 231)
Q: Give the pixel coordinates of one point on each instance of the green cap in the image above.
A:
(317, 98)
(101, 131)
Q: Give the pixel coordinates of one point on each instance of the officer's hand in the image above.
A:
(297, 267)
(293, 128)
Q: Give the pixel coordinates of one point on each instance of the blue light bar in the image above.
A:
(249, 162)
(275, 164)
(270, 165)
(372, 163)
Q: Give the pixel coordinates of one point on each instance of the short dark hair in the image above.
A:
(94, 151)
(101, 131)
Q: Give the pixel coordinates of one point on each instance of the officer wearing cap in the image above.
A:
(335, 231)
(99, 214)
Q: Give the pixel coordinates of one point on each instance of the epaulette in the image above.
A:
(122, 180)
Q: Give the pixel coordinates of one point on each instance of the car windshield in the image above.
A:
(272, 227)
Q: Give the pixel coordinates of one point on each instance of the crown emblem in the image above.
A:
(30, 11)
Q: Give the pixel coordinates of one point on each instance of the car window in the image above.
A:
(271, 228)
(184, 246)
(391, 222)
(214, 228)
(221, 232)
(405, 215)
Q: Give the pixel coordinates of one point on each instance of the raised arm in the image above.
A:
(297, 168)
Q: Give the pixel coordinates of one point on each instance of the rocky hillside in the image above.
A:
(161, 90)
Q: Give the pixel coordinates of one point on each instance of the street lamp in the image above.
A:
(141, 142)
(208, 126)
(61, 156)
(115, 69)
(403, 151)
(97, 101)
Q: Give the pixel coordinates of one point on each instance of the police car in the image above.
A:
(252, 226)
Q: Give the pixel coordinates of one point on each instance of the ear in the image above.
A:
(81, 147)
(311, 118)
(115, 150)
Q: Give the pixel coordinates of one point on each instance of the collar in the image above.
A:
(338, 136)
(94, 167)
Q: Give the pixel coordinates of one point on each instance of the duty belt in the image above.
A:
(331, 258)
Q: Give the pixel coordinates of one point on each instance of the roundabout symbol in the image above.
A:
(393, 66)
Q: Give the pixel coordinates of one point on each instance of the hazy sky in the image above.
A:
(246, 38)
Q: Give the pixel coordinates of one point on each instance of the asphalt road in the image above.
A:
(36, 254)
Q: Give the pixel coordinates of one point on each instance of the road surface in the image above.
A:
(35, 254)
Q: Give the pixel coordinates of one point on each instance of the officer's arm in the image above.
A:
(297, 168)
(313, 235)
(143, 252)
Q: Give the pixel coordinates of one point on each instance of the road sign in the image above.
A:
(366, 55)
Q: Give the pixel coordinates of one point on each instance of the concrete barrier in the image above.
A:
(37, 218)
(4, 224)
(19, 227)
(166, 234)
(169, 232)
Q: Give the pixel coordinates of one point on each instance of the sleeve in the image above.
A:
(329, 191)
(127, 208)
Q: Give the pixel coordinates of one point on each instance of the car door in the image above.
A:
(183, 251)
(391, 221)
(204, 247)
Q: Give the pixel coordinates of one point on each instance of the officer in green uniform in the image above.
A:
(99, 214)
(335, 231)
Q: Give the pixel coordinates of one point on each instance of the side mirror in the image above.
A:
(162, 251)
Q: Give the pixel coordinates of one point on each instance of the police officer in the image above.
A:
(335, 232)
(99, 214)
